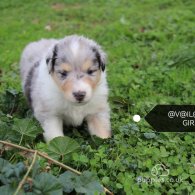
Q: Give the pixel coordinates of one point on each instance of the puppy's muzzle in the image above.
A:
(79, 96)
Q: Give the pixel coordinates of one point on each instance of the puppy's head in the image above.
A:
(76, 64)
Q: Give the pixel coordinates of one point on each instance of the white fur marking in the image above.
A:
(74, 47)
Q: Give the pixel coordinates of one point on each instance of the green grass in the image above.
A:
(150, 47)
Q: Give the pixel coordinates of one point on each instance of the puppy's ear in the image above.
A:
(100, 57)
(51, 59)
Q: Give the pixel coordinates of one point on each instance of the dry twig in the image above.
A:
(27, 173)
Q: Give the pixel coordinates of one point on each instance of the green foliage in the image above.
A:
(61, 146)
(150, 47)
(10, 175)
(68, 180)
(86, 183)
(19, 130)
(26, 129)
(6, 190)
(149, 135)
(45, 183)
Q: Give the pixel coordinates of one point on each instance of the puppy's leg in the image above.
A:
(99, 124)
(53, 127)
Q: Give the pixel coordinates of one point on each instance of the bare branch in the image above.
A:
(27, 173)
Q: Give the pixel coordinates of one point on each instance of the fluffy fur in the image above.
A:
(65, 83)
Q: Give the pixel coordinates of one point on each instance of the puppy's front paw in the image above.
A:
(104, 134)
(99, 125)
(48, 137)
(53, 127)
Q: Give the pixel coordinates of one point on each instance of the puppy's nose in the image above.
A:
(79, 95)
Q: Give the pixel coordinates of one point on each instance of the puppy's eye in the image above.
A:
(63, 74)
(90, 72)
